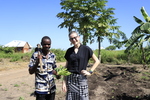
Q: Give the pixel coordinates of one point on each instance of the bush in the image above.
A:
(7, 50)
(114, 57)
(107, 56)
(59, 54)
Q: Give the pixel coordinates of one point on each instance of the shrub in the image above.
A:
(107, 56)
(59, 54)
(7, 50)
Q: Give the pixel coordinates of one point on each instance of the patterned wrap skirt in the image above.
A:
(77, 87)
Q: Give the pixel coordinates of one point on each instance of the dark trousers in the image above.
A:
(45, 96)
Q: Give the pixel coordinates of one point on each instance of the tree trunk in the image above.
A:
(143, 57)
(85, 37)
(99, 49)
(129, 58)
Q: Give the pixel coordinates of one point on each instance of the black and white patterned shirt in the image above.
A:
(44, 82)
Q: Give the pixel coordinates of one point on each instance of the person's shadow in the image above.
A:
(32, 94)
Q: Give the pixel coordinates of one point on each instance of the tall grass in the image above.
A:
(118, 57)
(114, 57)
(107, 56)
(16, 56)
(59, 54)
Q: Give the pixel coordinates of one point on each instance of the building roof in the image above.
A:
(16, 43)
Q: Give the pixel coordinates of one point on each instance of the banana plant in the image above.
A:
(145, 26)
(140, 34)
(145, 15)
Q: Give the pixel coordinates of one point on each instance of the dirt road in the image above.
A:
(18, 84)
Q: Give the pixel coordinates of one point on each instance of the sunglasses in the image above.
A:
(73, 38)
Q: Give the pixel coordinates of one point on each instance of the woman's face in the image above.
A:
(74, 39)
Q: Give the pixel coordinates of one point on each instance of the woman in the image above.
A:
(77, 58)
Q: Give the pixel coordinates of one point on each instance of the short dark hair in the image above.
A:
(45, 37)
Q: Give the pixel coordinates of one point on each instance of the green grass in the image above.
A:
(5, 89)
(16, 85)
(21, 98)
(107, 56)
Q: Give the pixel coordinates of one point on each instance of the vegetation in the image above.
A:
(16, 85)
(92, 19)
(9, 53)
(62, 71)
(21, 98)
(108, 56)
(112, 47)
(140, 35)
(59, 54)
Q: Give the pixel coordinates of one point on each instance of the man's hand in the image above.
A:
(54, 72)
(58, 76)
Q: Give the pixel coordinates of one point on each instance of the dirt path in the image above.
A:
(18, 84)
(7, 75)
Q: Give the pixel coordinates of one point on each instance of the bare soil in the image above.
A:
(120, 82)
(108, 82)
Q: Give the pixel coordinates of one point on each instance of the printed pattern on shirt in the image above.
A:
(44, 82)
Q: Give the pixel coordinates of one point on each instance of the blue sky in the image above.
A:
(30, 20)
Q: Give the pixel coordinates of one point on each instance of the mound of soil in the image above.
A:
(123, 82)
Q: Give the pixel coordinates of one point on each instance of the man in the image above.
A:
(42, 64)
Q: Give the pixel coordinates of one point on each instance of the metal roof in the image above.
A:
(16, 43)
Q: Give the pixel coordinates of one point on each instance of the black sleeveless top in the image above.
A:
(78, 61)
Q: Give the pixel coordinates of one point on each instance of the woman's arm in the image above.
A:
(96, 63)
(64, 88)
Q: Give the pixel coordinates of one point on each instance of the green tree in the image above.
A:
(112, 47)
(68, 16)
(106, 27)
(80, 15)
(140, 35)
(91, 19)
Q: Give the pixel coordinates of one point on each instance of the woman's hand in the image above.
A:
(64, 88)
(85, 72)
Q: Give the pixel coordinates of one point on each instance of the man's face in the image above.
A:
(46, 44)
